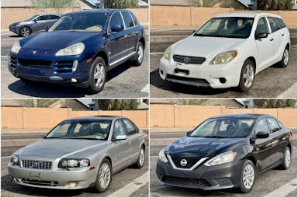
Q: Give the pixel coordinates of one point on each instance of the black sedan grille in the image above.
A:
(35, 63)
(188, 59)
(186, 182)
(42, 165)
(40, 183)
(189, 161)
(64, 66)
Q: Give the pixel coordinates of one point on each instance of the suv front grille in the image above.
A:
(13, 61)
(35, 63)
(186, 182)
(42, 165)
(64, 66)
(188, 59)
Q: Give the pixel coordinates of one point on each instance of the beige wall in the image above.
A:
(182, 116)
(45, 118)
(195, 17)
(11, 15)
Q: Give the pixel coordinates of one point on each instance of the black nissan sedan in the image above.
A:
(227, 151)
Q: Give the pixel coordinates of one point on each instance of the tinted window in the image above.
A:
(119, 129)
(134, 18)
(44, 17)
(262, 126)
(273, 24)
(281, 23)
(116, 19)
(130, 127)
(128, 20)
(54, 17)
(262, 26)
(273, 124)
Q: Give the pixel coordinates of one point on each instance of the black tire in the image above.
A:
(245, 185)
(247, 76)
(141, 158)
(285, 59)
(99, 67)
(25, 31)
(286, 159)
(98, 185)
(138, 58)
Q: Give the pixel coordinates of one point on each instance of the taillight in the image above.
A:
(291, 134)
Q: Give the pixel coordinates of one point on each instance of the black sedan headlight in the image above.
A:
(73, 163)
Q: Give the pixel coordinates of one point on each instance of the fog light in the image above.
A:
(73, 80)
(74, 66)
(71, 184)
(223, 80)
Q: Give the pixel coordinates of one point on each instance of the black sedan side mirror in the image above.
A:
(262, 135)
(261, 35)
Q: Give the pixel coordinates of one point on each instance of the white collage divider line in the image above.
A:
(146, 88)
(130, 188)
(284, 190)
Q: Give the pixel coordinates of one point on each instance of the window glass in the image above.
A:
(44, 17)
(134, 18)
(130, 127)
(281, 23)
(60, 131)
(273, 24)
(53, 17)
(116, 19)
(262, 126)
(273, 124)
(262, 26)
(128, 20)
(119, 129)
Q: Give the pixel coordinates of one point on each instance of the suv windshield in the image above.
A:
(224, 128)
(93, 22)
(98, 129)
(230, 27)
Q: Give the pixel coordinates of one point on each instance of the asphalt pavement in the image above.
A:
(274, 82)
(125, 81)
(130, 182)
(273, 183)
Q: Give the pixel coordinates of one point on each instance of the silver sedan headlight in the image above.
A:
(162, 156)
(73, 163)
(74, 49)
(16, 47)
(224, 58)
(15, 160)
(222, 159)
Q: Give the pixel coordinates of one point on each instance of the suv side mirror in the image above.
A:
(262, 135)
(120, 137)
(261, 35)
(117, 28)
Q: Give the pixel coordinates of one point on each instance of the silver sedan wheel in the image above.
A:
(104, 175)
(141, 157)
(99, 75)
(287, 157)
(286, 57)
(248, 76)
(248, 176)
(25, 31)
(140, 53)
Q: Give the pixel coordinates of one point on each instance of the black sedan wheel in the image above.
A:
(286, 159)
(25, 31)
(247, 177)
(104, 176)
(97, 75)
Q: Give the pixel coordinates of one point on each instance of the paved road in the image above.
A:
(277, 181)
(131, 182)
(125, 81)
(271, 83)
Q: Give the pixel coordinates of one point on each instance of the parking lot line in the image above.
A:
(284, 190)
(146, 88)
(130, 188)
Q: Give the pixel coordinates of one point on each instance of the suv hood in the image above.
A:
(203, 147)
(55, 148)
(198, 46)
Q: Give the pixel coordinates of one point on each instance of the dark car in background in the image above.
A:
(80, 48)
(226, 151)
(35, 23)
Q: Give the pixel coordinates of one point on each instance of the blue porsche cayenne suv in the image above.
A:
(79, 49)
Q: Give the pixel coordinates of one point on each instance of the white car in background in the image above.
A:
(228, 51)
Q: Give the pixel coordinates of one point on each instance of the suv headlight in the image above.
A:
(73, 163)
(15, 160)
(224, 58)
(16, 47)
(167, 53)
(222, 159)
(74, 49)
(162, 156)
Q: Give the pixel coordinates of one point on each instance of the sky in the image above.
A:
(92, 1)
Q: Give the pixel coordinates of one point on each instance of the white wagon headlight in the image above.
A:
(224, 58)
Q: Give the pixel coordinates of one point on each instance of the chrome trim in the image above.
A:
(115, 63)
(186, 169)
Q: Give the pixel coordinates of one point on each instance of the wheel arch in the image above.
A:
(103, 54)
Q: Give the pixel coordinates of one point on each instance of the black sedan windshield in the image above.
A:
(224, 128)
(230, 27)
(93, 22)
(98, 129)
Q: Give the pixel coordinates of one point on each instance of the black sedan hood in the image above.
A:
(202, 147)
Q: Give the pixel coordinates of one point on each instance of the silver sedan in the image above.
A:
(80, 153)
